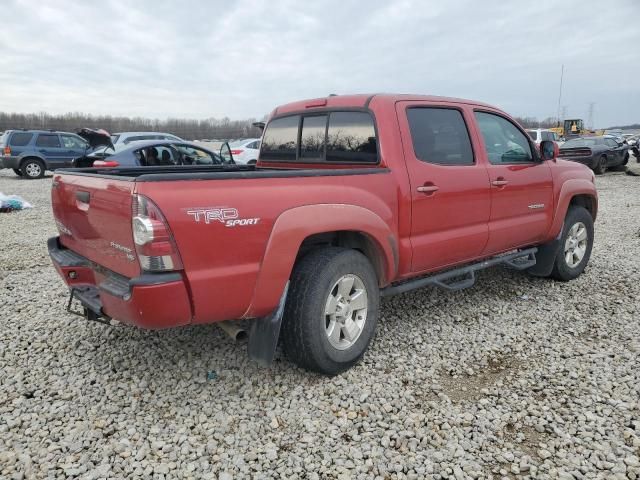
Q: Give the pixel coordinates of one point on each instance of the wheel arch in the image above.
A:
(578, 192)
(31, 156)
(299, 230)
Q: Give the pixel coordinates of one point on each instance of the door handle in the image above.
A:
(428, 189)
(83, 196)
(499, 182)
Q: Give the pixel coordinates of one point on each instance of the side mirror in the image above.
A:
(549, 150)
(225, 153)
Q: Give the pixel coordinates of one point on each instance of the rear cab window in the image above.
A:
(20, 139)
(326, 137)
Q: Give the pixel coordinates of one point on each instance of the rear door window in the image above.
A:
(440, 135)
(281, 139)
(48, 141)
(351, 138)
(20, 139)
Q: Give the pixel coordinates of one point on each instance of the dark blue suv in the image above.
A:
(30, 152)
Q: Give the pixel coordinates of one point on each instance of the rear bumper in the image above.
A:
(153, 301)
(9, 162)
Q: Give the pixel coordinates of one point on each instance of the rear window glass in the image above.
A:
(439, 135)
(312, 137)
(143, 137)
(351, 137)
(547, 136)
(533, 134)
(3, 138)
(579, 142)
(51, 141)
(280, 139)
(21, 139)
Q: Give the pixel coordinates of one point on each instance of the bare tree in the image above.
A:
(189, 129)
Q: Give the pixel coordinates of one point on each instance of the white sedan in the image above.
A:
(245, 151)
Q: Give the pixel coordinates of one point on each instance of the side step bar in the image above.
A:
(464, 277)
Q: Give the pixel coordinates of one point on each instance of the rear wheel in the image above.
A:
(332, 310)
(17, 171)
(32, 168)
(601, 166)
(575, 245)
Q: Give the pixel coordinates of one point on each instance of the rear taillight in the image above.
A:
(7, 151)
(155, 246)
(236, 152)
(105, 163)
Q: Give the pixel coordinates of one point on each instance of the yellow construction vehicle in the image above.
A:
(571, 128)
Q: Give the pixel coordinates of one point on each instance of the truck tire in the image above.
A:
(576, 243)
(32, 168)
(332, 309)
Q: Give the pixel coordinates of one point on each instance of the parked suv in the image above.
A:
(30, 152)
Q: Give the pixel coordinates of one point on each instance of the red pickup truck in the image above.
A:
(352, 197)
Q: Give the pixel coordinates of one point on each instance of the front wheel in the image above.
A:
(332, 310)
(575, 245)
(626, 158)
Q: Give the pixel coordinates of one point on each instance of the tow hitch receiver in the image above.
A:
(89, 298)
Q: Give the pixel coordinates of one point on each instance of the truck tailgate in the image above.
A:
(93, 216)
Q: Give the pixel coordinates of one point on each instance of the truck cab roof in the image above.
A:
(363, 100)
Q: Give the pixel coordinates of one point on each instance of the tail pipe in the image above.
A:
(234, 330)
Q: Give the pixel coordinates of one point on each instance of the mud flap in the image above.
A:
(264, 333)
(546, 258)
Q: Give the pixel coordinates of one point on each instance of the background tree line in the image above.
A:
(532, 122)
(210, 128)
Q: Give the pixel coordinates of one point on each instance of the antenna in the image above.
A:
(560, 92)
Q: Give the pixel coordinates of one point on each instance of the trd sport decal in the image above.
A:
(228, 216)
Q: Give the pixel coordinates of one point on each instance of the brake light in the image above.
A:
(105, 163)
(155, 246)
(7, 151)
(236, 152)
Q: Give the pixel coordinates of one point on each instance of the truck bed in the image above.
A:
(215, 172)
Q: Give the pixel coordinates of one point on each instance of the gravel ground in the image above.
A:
(517, 377)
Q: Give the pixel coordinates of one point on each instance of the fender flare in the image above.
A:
(570, 188)
(294, 225)
(27, 156)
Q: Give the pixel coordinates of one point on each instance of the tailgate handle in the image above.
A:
(83, 197)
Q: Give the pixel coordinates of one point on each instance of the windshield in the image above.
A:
(579, 142)
(114, 138)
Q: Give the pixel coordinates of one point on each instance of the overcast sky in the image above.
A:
(199, 59)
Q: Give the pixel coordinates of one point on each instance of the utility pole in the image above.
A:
(560, 92)
(590, 120)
